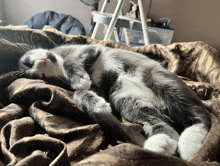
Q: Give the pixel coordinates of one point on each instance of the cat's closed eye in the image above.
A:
(28, 64)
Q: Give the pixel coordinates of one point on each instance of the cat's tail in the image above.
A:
(113, 128)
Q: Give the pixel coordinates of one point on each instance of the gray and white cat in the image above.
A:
(135, 87)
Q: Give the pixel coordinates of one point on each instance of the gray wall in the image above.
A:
(18, 11)
(1, 10)
(192, 20)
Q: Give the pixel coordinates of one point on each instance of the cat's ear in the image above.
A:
(90, 53)
(84, 55)
(131, 3)
(51, 57)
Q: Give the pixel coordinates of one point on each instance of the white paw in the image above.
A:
(102, 106)
(188, 151)
(161, 143)
(191, 140)
(84, 83)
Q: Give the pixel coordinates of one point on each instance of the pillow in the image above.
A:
(65, 23)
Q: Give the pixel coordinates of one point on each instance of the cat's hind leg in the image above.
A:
(191, 140)
(161, 143)
(100, 111)
(162, 138)
(137, 103)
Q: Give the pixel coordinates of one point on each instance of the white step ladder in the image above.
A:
(116, 20)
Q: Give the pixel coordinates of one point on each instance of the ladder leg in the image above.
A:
(116, 34)
(104, 6)
(95, 30)
(143, 23)
(114, 19)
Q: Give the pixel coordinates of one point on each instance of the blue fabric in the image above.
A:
(64, 23)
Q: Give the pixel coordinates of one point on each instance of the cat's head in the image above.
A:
(42, 64)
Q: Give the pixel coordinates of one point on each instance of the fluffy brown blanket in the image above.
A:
(41, 124)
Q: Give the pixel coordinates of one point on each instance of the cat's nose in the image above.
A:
(42, 62)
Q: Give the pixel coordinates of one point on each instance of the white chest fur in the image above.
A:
(102, 64)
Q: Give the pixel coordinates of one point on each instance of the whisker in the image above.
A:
(22, 47)
(6, 42)
(19, 44)
(27, 39)
(18, 75)
(17, 69)
(63, 80)
(33, 45)
(22, 40)
(12, 65)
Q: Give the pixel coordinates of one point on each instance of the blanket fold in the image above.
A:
(41, 124)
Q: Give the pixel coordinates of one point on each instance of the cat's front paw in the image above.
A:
(102, 106)
(161, 143)
(84, 83)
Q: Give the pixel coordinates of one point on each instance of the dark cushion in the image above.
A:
(65, 23)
